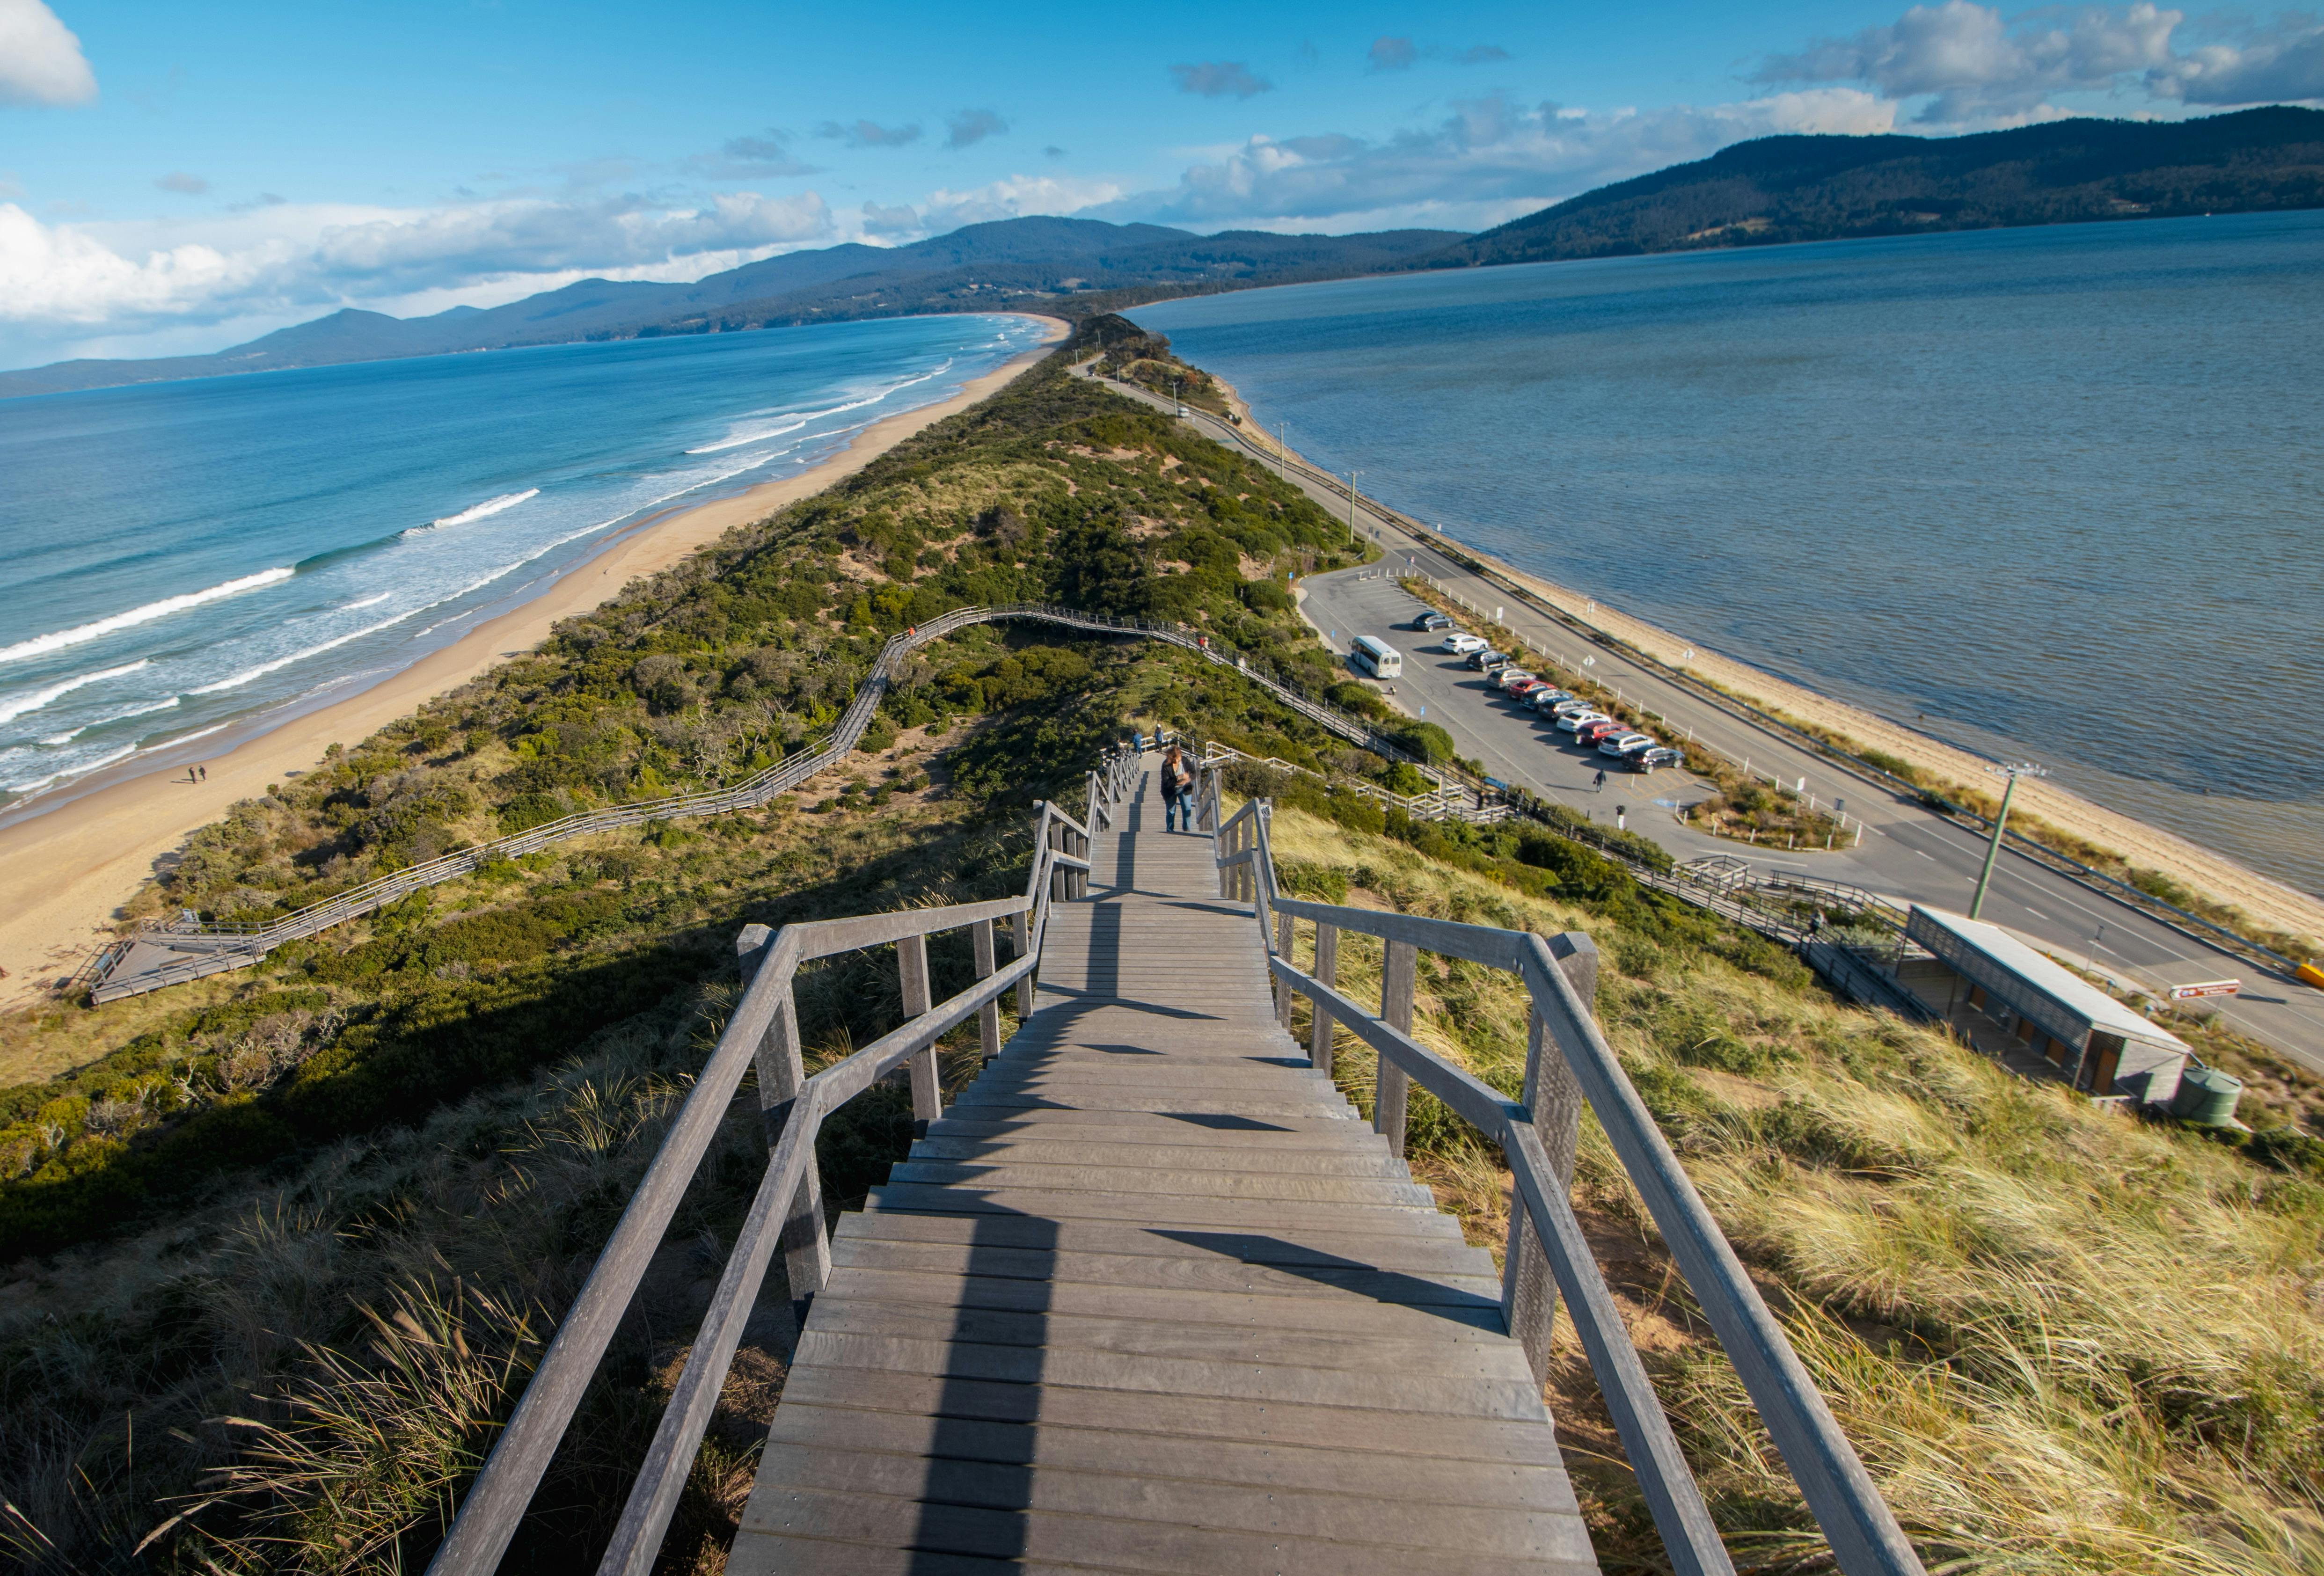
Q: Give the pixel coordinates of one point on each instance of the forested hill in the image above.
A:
(1820, 188)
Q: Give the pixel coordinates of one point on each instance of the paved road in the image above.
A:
(1907, 852)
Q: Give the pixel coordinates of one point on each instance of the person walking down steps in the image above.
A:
(1177, 790)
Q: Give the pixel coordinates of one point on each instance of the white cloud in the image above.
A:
(1488, 161)
(1012, 197)
(891, 221)
(40, 62)
(1392, 54)
(2286, 61)
(1974, 68)
(1219, 79)
(869, 134)
(60, 282)
(177, 180)
(972, 126)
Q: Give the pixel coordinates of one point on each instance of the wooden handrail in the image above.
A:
(496, 1503)
(1857, 1522)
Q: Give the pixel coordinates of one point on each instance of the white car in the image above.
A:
(1508, 678)
(1623, 743)
(1572, 721)
(1460, 643)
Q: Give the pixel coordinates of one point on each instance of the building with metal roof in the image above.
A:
(2043, 1019)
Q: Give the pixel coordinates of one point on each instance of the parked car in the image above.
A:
(1547, 696)
(1573, 722)
(1460, 642)
(1623, 743)
(1589, 732)
(1572, 707)
(1508, 678)
(1523, 694)
(1654, 756)
(1432, 620)
(1489, 661)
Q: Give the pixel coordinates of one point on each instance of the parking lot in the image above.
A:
(1513, 742)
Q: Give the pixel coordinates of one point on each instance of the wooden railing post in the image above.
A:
(1327, 972)
(1529, 1289)
(988, 1017)
(927, 1095)
(1020, 941)
(1399, 976)
(807, 1253)
(1283, 987)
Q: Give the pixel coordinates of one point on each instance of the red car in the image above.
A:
(1525, 691)
(1591, 733)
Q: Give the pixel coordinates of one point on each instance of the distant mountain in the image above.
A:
(1073, 265)
(1776, 189)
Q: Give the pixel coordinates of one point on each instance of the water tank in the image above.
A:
(2206, 1097)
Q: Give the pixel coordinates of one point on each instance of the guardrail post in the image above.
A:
(807, 1253)
(988, 1017)
(1327, 972)
(1554, 1097)
(1398, 975)
(927, 1096)
(1283, 987)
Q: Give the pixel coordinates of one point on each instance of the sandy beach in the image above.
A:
(64, 874)
(2219, 877)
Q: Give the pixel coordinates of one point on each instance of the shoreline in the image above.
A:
(2219, 877)
(65, 872)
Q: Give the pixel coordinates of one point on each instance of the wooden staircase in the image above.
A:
(1152, 1297)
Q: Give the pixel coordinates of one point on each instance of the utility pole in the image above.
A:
(2013, 771)
(1351, 504)
(1282, 450)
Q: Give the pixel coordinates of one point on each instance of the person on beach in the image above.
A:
(1177, 790)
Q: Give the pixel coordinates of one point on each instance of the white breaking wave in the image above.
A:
(36, 784)
(41, 645)
(489, 506)
(367, 601)
(263, 669)
(33, 700)
(803, 417)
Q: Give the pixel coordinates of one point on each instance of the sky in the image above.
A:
(178, 177)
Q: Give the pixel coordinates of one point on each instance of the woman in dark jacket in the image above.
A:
(1177, 790)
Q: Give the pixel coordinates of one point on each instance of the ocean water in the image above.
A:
(2052, 493)
(182, 559)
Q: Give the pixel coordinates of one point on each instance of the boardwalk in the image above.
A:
(1151, 1297)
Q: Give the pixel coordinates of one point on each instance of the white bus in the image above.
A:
(1376, 658)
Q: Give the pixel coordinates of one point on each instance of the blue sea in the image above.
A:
(2054, 492)
(188, 559)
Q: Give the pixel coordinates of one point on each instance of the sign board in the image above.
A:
(2207, 988)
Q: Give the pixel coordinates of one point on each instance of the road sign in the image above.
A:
(2207, 988)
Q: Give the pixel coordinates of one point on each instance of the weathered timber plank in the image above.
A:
(1433, 1347)
(1183, 1181)
(1331, 1246)
(1238, 1419)
(1391, 1316)
(1124, 1447)
(1088, 1542)
(1366, 1389)
(1163, 1210)
(1138, 1495)
(1477, 1293)
(1034, 1148)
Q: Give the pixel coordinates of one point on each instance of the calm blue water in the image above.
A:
(182, 557)
(2056, 493)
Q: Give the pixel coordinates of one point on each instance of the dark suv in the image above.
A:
(1487, 660)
